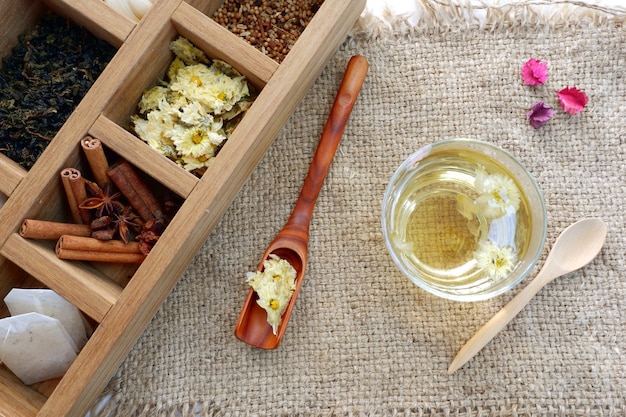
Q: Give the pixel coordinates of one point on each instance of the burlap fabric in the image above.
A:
(365, 341)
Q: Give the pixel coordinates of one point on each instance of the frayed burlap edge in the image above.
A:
(432, 16)
(199, 409)
(443, 15)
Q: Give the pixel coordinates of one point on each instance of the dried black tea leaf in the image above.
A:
(42, 81)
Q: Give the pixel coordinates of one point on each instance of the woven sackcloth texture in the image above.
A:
(363, 340)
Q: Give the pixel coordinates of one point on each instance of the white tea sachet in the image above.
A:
(51, 304)
(35, 347)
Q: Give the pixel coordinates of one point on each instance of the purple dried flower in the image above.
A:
(539, 114)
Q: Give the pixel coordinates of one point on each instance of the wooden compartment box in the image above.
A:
(120, 300)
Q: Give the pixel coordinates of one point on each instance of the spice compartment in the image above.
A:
(120, 300)
(93, 286)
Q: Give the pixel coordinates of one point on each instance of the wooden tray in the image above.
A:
(121, 300)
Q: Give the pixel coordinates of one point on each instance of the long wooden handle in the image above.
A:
(497, 323)
(331, 136)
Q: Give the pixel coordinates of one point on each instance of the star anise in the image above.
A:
(103, 200)
(125, 222)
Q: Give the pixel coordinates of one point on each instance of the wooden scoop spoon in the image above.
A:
(291, 243)
(574, 248)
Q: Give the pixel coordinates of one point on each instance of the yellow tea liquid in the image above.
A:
(438, 227)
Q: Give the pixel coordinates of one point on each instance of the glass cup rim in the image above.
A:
(531, 258)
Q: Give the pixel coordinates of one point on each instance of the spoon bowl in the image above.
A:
(291, 243)
(252, 326)
(575, 247)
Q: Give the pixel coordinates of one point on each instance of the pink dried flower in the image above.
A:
(539, 114)
(535, 72)
(572, 99)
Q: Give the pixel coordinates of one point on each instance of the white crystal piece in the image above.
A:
(502, 230)
(51, 304)
(35, 347)
(139, 7)
(123, 8)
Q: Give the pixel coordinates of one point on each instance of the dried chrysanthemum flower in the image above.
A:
(151, 97)
(497, 261)
(195, 141)
(195, 164)
(539, 114)
(274, 286)
(189, 118)
(215, 90)
(174, 67)
(187, 52)
(193, 113)
(498, 194)
(535, 72)
(572, 100)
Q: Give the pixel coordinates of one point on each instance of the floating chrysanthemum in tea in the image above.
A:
(497, 261)
(496, 205)
(189, 117)
(498, 194)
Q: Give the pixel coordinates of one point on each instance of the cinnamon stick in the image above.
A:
(136, 191)
(43, 229)
(66, 178)
(94, 152)
(91, 244)
(85, 255)
(77, 182)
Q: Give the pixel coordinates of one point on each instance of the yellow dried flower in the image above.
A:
(174, 67)
(498, 194)
(187, 52)
(240, 107)
(274, 286)
(194, 113)
(195, 141)
(216, 91)
(497, 261)
(152, 131)
(151, 98)
(192, 164)
(189, 118)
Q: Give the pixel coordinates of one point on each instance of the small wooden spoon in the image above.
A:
(291, 243)
(574, 248)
